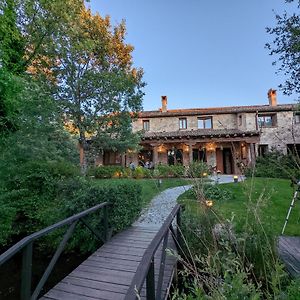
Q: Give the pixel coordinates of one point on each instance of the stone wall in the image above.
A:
(284, 133)
(221, 121)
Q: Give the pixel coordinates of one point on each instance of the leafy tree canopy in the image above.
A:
(286, 47)
(82, 60)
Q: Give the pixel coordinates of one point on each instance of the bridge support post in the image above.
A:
(26, 272)
(150, 282)
(178, 229)
(105, 223)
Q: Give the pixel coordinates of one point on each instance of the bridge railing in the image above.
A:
(26, 246)
(145, 270)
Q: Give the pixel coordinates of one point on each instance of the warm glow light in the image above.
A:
(209, 203)
(204, 174)
(210, 147)
(160, 148)
(117, 174)
(186, 148)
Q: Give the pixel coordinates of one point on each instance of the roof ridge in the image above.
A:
(220, 107)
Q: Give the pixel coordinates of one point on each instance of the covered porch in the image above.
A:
(225, 151)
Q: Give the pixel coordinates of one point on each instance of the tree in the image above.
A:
(286, 46)
(95, 81)
(11, 57)
(26, 29)
(12, 45)
(85, 64)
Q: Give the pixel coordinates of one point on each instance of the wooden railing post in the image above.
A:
(26, 272)
(162, 267)
(105, 223)
(150, 282)
(53, 261)
(178, 229)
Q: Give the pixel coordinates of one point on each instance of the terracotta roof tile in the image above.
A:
(217, 110)
(200, 133)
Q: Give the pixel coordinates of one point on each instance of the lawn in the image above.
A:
(273, 196)
(150, 187)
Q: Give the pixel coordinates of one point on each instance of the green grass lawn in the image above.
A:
(150, 187)
(274, 196)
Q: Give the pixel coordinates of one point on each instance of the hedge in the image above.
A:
(39, 197)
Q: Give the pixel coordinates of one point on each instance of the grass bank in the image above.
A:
(271, 196)
(150, 187)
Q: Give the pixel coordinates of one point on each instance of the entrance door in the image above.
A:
(227, 161)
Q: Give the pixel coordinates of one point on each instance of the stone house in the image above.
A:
(227, 138)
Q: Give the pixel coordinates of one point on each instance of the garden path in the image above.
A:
(161, 205)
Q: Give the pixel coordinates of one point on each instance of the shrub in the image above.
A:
(197, 170)
(170, 171)
(275, 165)
(213, 192)
(106, 172)
(29, 191)
(126, 206)
(103, 172)
(138, 173)
(148, 173)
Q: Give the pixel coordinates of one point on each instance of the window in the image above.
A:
(182, 123)
(293, 149)
(267, 120)
(240, 120)
(205, 123)
(297, 117)
(146, 125)
(262, 150)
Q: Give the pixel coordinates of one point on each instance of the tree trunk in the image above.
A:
(82, 153)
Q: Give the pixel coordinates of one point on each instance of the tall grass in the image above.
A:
(221, 263)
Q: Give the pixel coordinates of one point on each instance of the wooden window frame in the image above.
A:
(146, 128)
(264, 124)
(184, 120)
(204, 119)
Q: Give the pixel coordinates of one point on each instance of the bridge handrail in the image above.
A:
(26, 246)
(145, 270)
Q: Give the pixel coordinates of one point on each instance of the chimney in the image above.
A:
(164, 102)
(272, 97)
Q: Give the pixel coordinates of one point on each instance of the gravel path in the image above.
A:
(161, 205)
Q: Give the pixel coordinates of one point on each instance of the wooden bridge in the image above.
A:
(131, 265)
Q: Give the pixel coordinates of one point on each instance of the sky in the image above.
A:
(200, 53)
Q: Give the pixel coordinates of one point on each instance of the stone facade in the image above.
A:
(227, 138)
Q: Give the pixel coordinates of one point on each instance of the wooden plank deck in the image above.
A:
(107, 273)
(289, 252)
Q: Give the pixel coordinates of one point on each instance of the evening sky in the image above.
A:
(200, 53)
